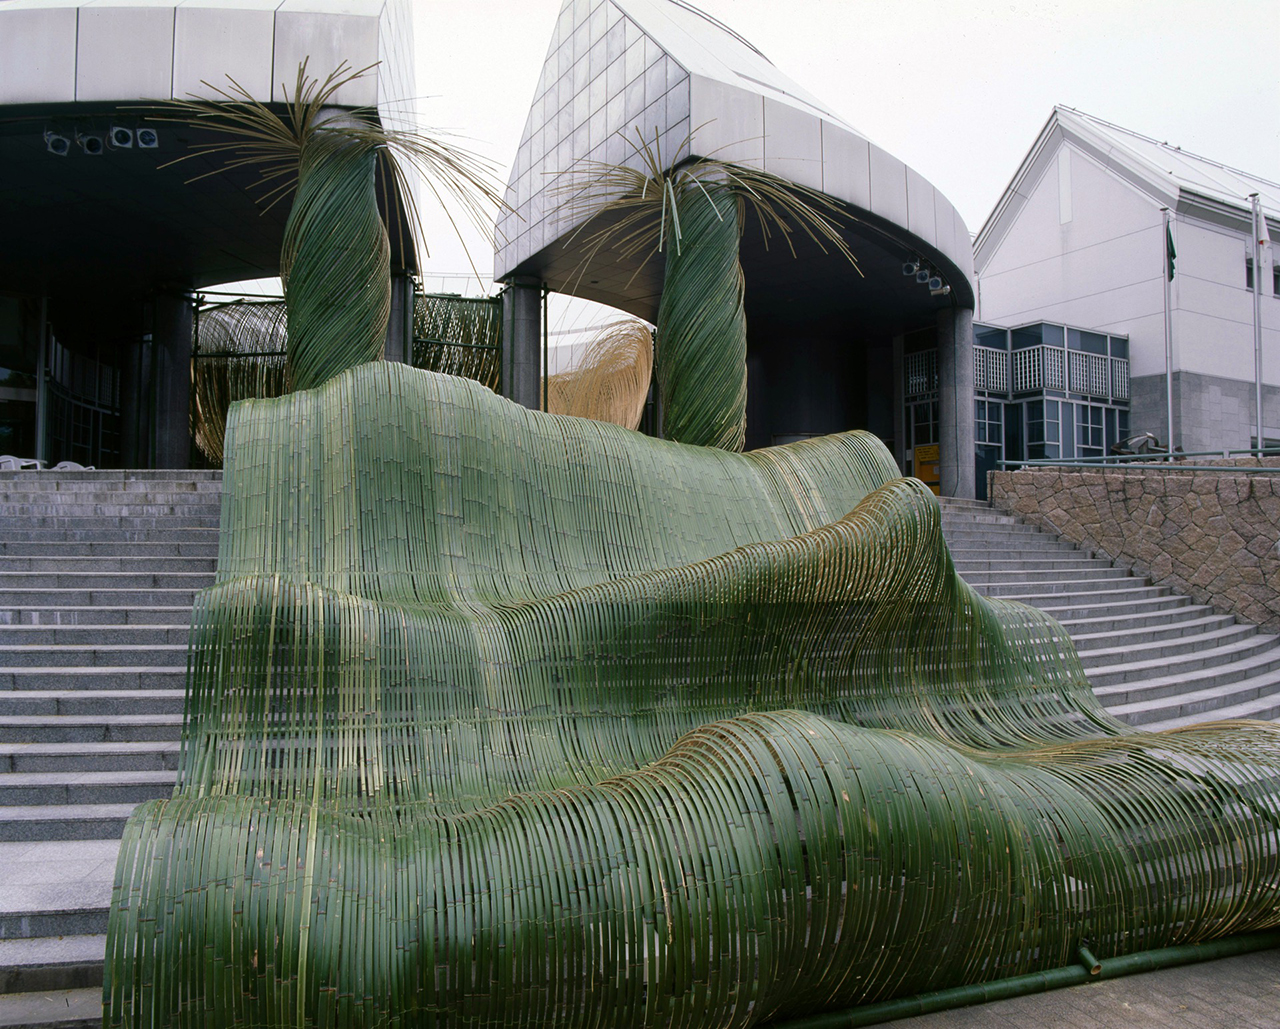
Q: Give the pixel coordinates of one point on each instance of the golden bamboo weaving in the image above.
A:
(502, 718)
(609, 381)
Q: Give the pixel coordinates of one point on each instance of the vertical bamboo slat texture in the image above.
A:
(500, 718)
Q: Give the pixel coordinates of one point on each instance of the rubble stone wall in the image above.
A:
(1214, 535)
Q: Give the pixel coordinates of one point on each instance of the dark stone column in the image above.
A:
(171, 381)
(955, 401)
(522, 342)
(400, 324)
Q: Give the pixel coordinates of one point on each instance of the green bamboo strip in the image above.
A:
(531, 719)
(702, 327)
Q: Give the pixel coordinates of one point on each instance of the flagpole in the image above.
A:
(1168, 333)
(1257, 314)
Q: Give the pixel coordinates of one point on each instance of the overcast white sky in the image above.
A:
(958, 89)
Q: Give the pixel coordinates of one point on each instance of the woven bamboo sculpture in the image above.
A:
(610, 379)
(695, 210)
(500, 718)
(239, 355)
(504, 718)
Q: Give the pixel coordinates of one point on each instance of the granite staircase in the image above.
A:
(1156, 659)
(98, 572)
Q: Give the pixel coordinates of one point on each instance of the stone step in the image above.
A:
(114, 483)
(28, 823)
(999, 561)
(990, 524)
(1076, 571)
(153, 597)
(1208, 651)
(109, 535)
(54, 580)
(99, 523)
(1262, 702)
(964, 502)
(1142, 629)
(79, 1008)
(90, 655)
(52, 478)
(90, 500)
(101, 563)
(89, 728)
(1092, 622)
(54, 703)
(1014, 548)
(100, 635)
(1245, 696)
(149, 756)
(94, 678)
(57, 887)
(1077, 585)
(84, 616)
(1143, 599)
(51, 789)
(48, 964)
(141, 515)
(1164, 681)
(61, 549)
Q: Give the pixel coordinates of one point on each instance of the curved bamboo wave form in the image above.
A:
(501, 718)
(610, 381)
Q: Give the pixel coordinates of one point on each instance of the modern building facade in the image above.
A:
(826, 343)
(1078, 239)
(104, 248)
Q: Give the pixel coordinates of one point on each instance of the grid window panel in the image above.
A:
(1089, 374)
(1054, 368)
(1119, 378)
(990, 370)
(1027, 370)
(921, 373)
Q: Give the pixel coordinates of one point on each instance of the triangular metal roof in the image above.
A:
(1171, 176)
(1188, 171)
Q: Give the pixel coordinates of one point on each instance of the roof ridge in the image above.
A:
(1165, 145)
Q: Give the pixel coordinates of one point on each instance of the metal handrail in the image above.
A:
(1167, 461)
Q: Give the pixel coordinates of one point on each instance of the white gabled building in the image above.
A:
(1077, 239)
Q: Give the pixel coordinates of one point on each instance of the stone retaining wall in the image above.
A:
(1214, 535)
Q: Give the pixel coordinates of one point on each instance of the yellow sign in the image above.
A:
(927, 460)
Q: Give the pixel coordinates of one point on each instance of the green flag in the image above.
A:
(1169, 252)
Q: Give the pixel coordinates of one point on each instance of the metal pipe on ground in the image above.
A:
(1090, 969)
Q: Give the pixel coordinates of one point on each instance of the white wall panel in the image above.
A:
(124, 53)
(37, 55)
(846, 166)
(944, 219)
(212, 43)
(1215, 346)
(792, 144)
(328, 40)
(920, 207)
(732, 121)
(888, 186)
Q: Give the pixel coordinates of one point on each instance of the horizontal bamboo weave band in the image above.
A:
(502, 718)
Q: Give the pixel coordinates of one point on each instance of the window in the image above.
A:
(988, 422)
(1275, 279)
(1248, 273)
(1043, 429)
(924, 423)
(1089, 430)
